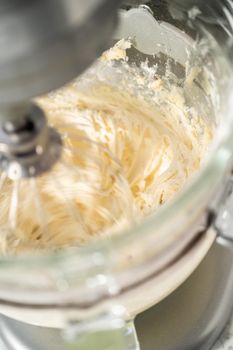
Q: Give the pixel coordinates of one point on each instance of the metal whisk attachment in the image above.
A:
(58, 186)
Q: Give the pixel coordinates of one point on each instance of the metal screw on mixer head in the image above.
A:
(28, 147)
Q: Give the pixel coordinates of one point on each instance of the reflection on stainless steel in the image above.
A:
(46, 43)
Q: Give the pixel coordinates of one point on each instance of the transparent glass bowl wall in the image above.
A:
(52, 290)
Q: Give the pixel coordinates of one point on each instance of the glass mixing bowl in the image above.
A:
(94, 293)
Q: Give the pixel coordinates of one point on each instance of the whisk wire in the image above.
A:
(14, 205)
(3, 178)
(71, 207)
(39, 207)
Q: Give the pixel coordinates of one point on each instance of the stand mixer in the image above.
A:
(94, 295)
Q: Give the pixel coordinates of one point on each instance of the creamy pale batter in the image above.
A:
(131, 143)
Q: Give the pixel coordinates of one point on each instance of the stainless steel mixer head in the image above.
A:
(44, 44)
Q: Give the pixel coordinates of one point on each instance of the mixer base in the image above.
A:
(191, 318)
